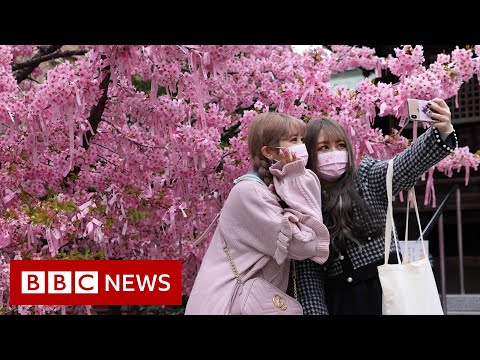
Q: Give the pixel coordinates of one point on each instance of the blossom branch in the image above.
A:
(35, 61)
(32, 79)
(127, 138)
(25, 71)
(94, 143)
(108, 160)
(97, 110)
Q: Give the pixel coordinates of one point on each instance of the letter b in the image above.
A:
(33, 282)
(59, 282)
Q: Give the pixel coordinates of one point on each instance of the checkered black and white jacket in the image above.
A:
(408, 166)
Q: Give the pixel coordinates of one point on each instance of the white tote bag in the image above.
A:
(409, 288)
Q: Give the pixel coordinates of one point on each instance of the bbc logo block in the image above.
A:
(59, 282)
(95, 282)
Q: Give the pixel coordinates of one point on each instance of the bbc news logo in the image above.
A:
(95, 282)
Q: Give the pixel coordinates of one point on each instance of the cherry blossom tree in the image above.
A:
(128, 152)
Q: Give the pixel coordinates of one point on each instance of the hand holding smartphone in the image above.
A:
(417, 111)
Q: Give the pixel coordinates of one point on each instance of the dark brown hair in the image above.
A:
(342, 205)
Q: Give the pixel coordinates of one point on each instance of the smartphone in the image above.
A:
(417, 111)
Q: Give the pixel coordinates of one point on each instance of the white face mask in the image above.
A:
(332, 164)
(301, 151)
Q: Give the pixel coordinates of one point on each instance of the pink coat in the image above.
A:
(261, 236)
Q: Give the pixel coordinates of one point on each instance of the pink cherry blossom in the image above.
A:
(123, 151)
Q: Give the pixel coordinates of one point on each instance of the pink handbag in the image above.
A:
(257, 296)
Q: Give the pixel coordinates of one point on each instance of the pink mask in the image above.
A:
(301, 151)
(332, 164)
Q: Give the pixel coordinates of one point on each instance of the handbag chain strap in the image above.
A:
(294, 278)
(232, 265)
(240, 281)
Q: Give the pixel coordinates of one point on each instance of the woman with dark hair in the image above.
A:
(354, 207)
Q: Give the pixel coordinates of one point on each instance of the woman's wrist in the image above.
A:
(445, 131)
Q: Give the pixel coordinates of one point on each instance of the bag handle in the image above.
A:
(411, 194)
(239, 278)
(232, 264)
(390, 223)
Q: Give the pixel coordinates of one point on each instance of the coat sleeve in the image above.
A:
(301, 190)
(427, 150)
(254, 216)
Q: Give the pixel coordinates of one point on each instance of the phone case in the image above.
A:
(416, 111)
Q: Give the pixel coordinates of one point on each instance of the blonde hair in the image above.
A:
(267, 129)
